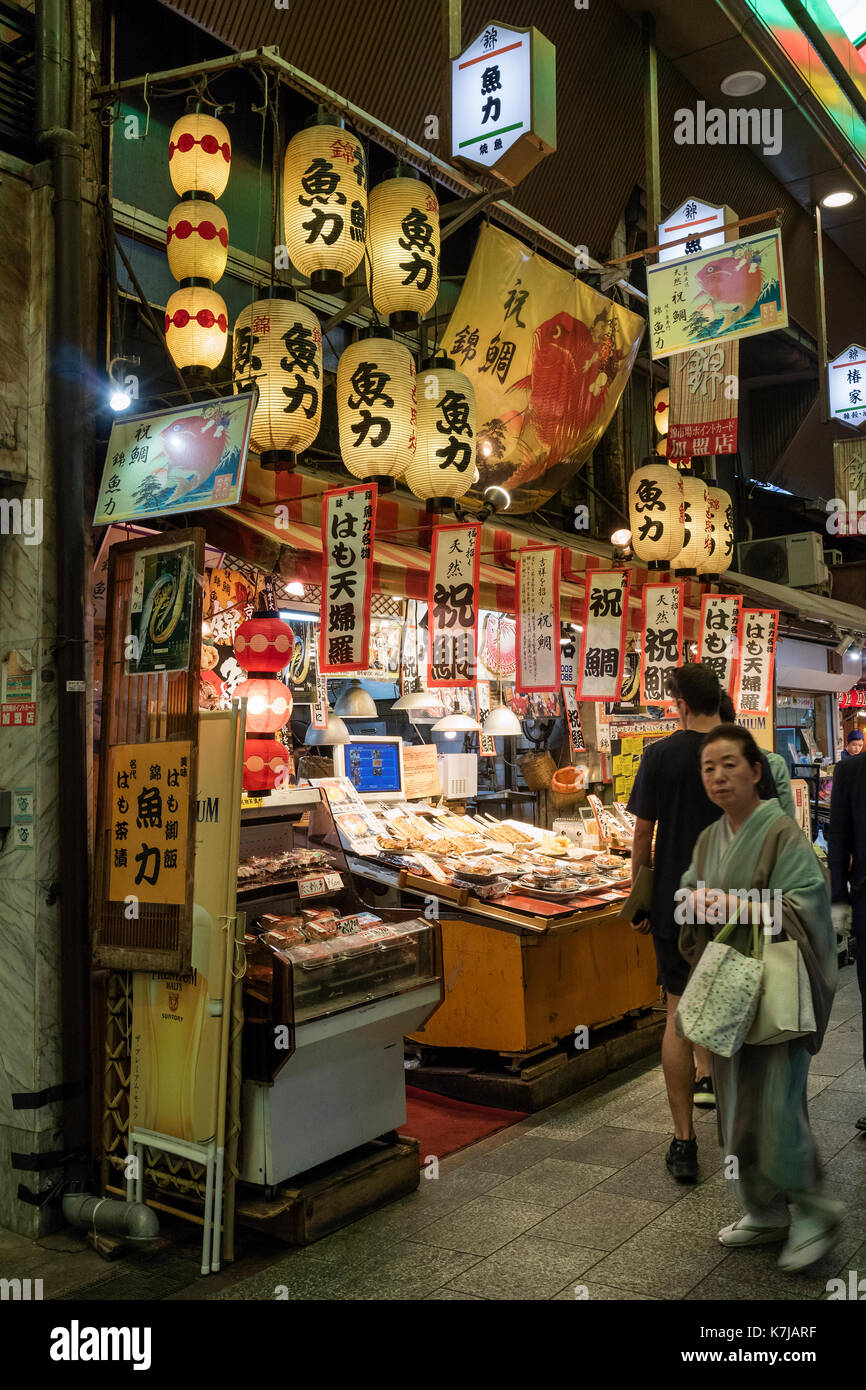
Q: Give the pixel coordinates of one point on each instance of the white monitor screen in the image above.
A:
(374, 766)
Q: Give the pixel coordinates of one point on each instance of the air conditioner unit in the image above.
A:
(795, 560)
(833, 557)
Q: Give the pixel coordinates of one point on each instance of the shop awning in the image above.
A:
(801, 678)
(800, 603)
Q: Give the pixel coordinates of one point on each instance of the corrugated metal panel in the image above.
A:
(777, 412)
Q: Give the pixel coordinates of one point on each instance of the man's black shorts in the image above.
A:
(673, 969)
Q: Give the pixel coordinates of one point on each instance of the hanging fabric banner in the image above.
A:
(662, 641)
(719, 640)
(602, 657)
(572, 719)
(704, 392)
(486, 743)
(348, 527)
(847, 512)
(452, 606)
(755, 684)
(536, 587)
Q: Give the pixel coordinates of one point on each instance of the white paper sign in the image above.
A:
(602, 654)
(758, 647)
(536, 585)
(702, 223)
(847, 385)
(719, 641)
(348, 527)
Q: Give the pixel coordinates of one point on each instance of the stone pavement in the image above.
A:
(577, 1195)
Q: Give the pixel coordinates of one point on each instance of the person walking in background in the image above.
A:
(668, 795)
(853, 744)
(775, 779)
(846, 856)
(761, 1091)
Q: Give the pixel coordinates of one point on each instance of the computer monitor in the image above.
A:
(374, 766)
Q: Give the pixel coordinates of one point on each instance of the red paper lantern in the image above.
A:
(269, 704)
(264, 760)
(264, 644)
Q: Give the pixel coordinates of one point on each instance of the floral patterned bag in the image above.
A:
(721, 998)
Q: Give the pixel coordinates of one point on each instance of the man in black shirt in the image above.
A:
(669, 793)
(846, 844)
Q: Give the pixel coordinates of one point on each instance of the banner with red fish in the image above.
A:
(536, 585)
(754, 694)
(548, 358)
(348, 528)
(718, 295)
(704, 396)
(602, 656)
(179, 460)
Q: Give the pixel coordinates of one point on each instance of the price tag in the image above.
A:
(333, 881)
(348, 926)
(312, 887)
(248, 802)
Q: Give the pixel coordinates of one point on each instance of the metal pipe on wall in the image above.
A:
(59, 135)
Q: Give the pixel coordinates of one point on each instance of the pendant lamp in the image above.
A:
(696, 545)
(278, 343)
(196, 326)
(376, 407)
(656, 512)
(502, 721)
(416, 699)
(199, 154)
(456, 724)
(269, 704)
(197, 239)
(403, 265)
(355, 703)
(335, 732)
(325, 203)
(265, 760)
(444, 462)
(721, 539)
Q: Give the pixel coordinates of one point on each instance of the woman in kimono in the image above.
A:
(761, 1091)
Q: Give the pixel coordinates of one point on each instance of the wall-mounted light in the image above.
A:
(124, 385)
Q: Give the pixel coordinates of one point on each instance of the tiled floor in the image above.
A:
(572, 1202)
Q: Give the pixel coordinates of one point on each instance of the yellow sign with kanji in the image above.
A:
(149, 821)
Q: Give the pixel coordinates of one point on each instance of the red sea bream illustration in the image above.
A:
(193, 447)
(570, 370)
(731, 286)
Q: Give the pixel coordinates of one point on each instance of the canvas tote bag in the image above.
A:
(785, 1010)
(721, 999)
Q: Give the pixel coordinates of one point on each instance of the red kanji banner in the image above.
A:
(452, 606)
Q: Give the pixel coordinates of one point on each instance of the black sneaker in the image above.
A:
(682, 1159)
(704, 1093)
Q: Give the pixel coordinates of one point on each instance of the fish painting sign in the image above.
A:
(169, 461)
(548, 359)
(718, 296)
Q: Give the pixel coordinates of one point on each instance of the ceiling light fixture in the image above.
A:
(456, 724)
(295, 589)
(417, 699)
(355, 703)
(503, 722)
(335, 732)
(744, 83)
(841, 199)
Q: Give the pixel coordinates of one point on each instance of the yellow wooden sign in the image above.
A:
(149, 819)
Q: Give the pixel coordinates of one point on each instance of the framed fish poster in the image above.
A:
(160, 610)
(718, 295)
(167, 461)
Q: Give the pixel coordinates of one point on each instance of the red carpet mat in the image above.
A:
(443, 1125)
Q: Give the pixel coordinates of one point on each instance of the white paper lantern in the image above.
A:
(197, 240)
(662, 410)
(196, 326)
(376, 407)
(720, 510)
(199, 154)
(656, 512)
(444, 463)
(278, 343)
(325, 204)
(403, 266)
(696, 547)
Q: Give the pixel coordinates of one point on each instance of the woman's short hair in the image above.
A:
(734, 733)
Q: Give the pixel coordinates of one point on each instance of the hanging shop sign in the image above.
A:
(704, 394)
(503, 101)
(548, 358)
(572, 719)
(160, 610)
(755, 683)
(718, 296)
(170, 461)
(662, 641)
(702, 223)
(719, 640)
(452, 606)
(848, 510)
(486, 742)
(846, 378)
(348, 527)
(148, 820)
(536, 585)
(602, 657)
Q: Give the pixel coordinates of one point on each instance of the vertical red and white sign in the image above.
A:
(602, 654)
(348, 527)
(572, 719)
(486, 743)
(452, 606)
(536, 586)
(758, 651)
(719, 641)
(662, 639)
(704, 395)
(319, 712)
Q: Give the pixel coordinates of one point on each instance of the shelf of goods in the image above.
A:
(330, 990)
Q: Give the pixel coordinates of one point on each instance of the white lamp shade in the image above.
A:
(656, 512)
(416, 699)
(403, 265)
(278, 342)
(456, 724)
(325, 200)
(444, 462)
(335, 732)
(196, 327)
(720, 511)
(376, 408)
(355, 703)
(199, 155)
(503, 722)
(696, 547)
(197, 240)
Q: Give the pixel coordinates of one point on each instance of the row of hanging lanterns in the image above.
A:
(263, 646)
(197, 240)
(680, 522)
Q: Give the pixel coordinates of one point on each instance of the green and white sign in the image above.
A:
(503, 101)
